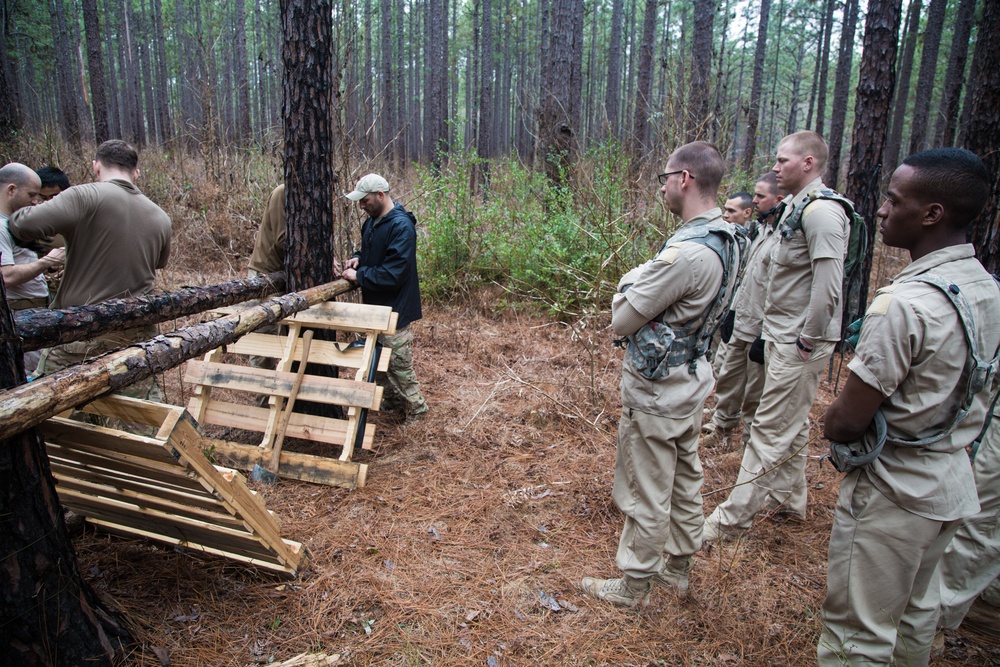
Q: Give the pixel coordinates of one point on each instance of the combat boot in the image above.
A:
(674, 574)
(713, 436)
(622, 592)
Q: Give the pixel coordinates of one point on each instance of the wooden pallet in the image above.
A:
(354, 395)
(162, 487)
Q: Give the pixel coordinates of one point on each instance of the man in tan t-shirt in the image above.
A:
(658, 476)
(116, 239)
(896, 515)
(801, 324)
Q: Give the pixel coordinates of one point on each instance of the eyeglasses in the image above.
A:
(662, 178)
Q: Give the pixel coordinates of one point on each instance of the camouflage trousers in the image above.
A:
(402, 391)
(56, 358)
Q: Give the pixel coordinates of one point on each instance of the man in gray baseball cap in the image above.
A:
(386, 270)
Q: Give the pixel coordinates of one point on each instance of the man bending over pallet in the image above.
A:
(386, 270)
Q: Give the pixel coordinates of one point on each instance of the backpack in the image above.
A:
(657, 347)
(857, 250)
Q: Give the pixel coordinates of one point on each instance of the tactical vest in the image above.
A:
(978, 375)
(657, 347)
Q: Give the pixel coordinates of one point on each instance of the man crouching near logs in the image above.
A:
(926, 358)
(666, 379)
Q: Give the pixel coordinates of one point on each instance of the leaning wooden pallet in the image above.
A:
(162, 487)
(356, 396)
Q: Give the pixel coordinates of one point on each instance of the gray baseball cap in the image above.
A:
(367, 185)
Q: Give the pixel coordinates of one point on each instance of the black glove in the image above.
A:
(756, 352)
(728, 324)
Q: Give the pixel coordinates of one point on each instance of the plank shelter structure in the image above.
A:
(162, 487)
(356, 395)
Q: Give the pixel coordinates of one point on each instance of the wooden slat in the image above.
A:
(305, 427)
(130, 532)
(293, 465)
(321, 351)
(166, 490)
(331, 391)
(70, 469)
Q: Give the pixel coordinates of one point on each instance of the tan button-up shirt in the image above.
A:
(680, 282)
(913, 350)
(806, 272)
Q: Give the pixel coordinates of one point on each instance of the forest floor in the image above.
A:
(475, 526)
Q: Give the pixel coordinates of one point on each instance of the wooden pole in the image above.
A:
(30, 404)
(42, 327)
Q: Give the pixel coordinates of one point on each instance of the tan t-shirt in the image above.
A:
(804, 298)
(913, 349)
(116, 238)
(680, 282)
(269, 246)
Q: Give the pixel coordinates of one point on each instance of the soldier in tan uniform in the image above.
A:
(801, 324)
(896, 515)
(658, 476)
(971, 564)
(741, 380)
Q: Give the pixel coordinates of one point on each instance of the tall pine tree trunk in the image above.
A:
(895, 141)
(307, 31)
(644, 82)
(753, 108)
(95, 64)
(557, 137)
(925, 78)
(841, 92)
(871, 123)
(947, 121)
(701, 68)
(825, 66)
(49, 614)
(981, 134)
(613, 88)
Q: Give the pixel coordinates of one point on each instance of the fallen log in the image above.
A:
(42, 327)
(30, 404)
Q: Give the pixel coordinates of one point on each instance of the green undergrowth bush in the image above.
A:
(561, 246)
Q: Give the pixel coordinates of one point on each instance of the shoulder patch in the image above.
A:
(880, 304)
(669, 254)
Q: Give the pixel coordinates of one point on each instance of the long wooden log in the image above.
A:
(30, 404)
(42, 327)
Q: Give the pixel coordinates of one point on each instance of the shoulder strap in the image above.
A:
(978, 375)
(793, 222)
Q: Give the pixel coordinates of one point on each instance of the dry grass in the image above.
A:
(476, 524)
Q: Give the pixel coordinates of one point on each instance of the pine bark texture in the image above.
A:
(982, 133)
(613, 86)
(307, 28)
(701, 68)
(871, 123)
(947, 122)
(49, 614)
(644, 81)
(44, 327)
(557, 137)
(825, 66)
(841, 92)
(895, 141)
(753, 108)
(925, 78)
(95, 68)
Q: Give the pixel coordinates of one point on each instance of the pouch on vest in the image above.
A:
(649, 348)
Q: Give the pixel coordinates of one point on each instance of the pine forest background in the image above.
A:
(558, 111)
